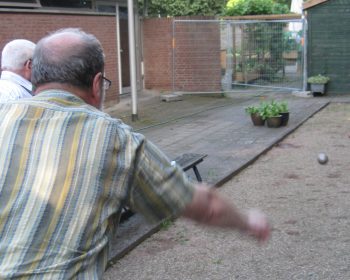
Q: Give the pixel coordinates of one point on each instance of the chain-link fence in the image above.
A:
(223, 55)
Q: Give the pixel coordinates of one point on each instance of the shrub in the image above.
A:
(254, 7)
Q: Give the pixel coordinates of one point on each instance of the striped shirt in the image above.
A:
(13, 87)
(66, 171)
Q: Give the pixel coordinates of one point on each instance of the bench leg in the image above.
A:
(198, 176)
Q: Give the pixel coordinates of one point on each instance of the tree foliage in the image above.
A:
(166, 8)
(254, 7)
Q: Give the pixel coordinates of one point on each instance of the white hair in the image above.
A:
(16, 53)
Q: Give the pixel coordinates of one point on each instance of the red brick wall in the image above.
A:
(157, 53)
(33, 26)
(197, 55)
(193, 73)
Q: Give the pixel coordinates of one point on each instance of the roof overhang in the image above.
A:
(312, 3)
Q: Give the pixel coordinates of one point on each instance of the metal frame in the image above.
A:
(303, 57)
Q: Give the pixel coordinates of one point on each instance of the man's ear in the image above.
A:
(97, 89)
(27, 70)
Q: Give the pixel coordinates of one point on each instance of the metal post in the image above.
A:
(132, 59)
(119, 51)
(305, 27)
(227, 80)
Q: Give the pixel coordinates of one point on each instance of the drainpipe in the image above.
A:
(119, 51)
(132, 58)
(305, 33)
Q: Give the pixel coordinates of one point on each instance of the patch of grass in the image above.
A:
(219, 261)
(166, 224)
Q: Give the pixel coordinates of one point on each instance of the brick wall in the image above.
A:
(197, 55)
(157, 53)
(193, 73)
(35, 25)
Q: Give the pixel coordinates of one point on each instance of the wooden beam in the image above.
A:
(312, 3)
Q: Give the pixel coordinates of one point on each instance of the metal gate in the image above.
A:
(225, 55)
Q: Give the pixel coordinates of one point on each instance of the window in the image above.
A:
(67, 3)
(105, 8)
(21, 3)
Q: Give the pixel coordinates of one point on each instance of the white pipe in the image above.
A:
(118, 48)
(132, 57)
(305, 34)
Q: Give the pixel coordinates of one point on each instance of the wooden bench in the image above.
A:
(186, 161)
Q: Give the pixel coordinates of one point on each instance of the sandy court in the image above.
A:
(308, 205)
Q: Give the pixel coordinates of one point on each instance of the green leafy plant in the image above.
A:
(283, 107)
(318, 79)
(254, 7)
(268, 109)
(271, 109)
(166, 224)
(263, 110)
(252, 109)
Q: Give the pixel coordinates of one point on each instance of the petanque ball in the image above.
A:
(322, 158)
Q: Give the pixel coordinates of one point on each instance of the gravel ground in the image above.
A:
(308, 205)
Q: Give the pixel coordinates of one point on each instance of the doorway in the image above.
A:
(124, 49)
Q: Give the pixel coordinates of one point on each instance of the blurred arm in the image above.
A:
(208, 207)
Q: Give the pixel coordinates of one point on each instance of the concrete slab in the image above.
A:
(171, 97)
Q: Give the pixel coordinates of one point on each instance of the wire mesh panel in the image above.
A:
(224, 55)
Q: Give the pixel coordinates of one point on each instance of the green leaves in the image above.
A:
(268, 109)
(166, 8)
(252, 109)
(318, 79)
(254, 7)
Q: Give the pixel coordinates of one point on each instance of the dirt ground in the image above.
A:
(308, 205)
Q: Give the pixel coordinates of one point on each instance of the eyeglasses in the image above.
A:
(106, 83)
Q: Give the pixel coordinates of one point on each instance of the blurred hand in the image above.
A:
(258, 225)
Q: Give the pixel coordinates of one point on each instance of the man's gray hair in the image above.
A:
(75, 61)
(16, 53)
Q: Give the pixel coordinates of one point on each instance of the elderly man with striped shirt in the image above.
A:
(16, 64)
(67, 170)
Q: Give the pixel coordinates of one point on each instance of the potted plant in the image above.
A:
(318, 83)
(254, 112)
(272, 114)
(284, 112)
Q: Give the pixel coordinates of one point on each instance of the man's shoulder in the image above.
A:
(9, 90)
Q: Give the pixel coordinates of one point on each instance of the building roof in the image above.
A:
(312, 3)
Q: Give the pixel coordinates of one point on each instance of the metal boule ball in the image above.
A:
(322, 158)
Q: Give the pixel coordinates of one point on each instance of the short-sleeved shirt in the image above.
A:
(67, 170)
(13, 87)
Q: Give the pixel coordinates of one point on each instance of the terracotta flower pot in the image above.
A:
(257, 119)
(274, 121)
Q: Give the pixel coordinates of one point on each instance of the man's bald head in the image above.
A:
(68, 56)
